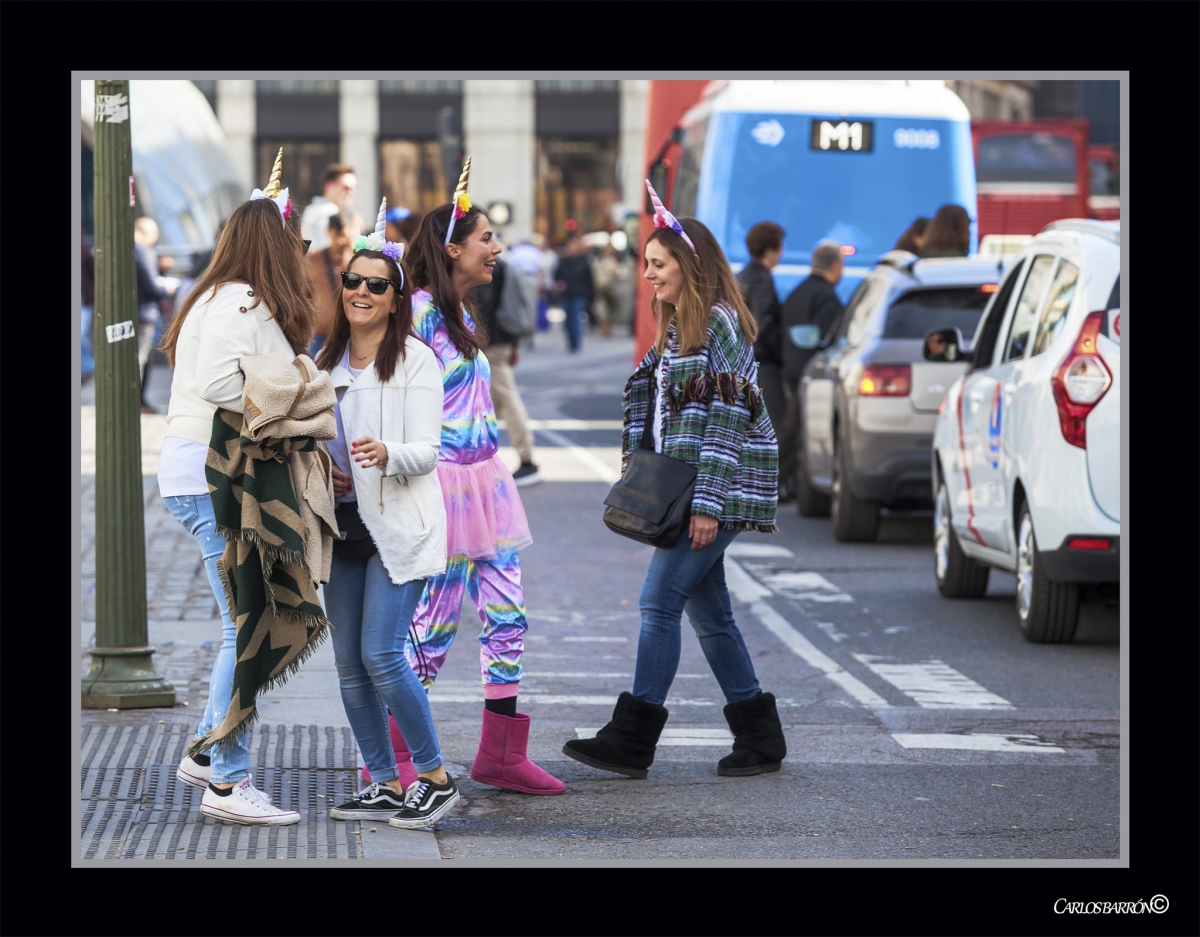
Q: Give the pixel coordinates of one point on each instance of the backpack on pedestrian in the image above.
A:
(517, 312)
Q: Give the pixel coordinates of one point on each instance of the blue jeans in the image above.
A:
(87, 360)
(575, 308)
(231, 760)
(682, 579)
(370, 616)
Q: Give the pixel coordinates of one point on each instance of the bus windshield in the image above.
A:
(772, 167)
(1026, 157)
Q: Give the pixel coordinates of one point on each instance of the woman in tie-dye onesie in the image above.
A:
(486, 520)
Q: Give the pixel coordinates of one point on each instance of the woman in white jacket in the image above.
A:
(254, 298)
(393, 520)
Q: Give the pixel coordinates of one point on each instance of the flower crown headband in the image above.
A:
(664, 219)
(273, 191)
(462, 201)
(377, 241)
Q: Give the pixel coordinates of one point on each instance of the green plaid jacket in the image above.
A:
(716, 421)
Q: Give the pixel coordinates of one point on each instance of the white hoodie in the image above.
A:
(402, 505)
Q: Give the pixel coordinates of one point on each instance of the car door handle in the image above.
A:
(976, 396)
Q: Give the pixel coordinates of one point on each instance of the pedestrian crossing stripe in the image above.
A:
(977, 743)
(684, 736)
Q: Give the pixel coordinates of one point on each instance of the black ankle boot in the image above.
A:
(626, 745)
(758, 743)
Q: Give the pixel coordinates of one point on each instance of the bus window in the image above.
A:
(687, 180)
(1026, 157)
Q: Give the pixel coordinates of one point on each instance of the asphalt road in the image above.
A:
(917, 727)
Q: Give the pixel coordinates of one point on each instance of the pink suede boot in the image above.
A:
(501, 761)
(404, 762)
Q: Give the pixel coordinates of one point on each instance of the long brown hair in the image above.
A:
(707, 280)
(255, 248)
(433, 270)
(948, 234)
(399, 324)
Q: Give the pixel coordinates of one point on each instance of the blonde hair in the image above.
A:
(707, 281)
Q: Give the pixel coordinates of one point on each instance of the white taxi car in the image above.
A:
(1026, 452)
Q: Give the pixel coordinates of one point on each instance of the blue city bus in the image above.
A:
(850, 161)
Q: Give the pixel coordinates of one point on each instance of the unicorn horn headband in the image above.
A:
(664, 219)
(377, 240)
(273, 191)
(461, 202)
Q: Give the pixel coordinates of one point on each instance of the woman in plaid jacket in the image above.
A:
(707, 411)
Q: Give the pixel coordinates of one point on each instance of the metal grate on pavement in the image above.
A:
(135, 808)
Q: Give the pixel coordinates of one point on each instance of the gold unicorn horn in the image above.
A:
(462, 180)
(274, 185)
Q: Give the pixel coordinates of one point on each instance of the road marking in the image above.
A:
(568, 424)
(798, 585)
(603, 472)
(977, 743)
(831, 629)
(561, 465)
(934, 684)
(706, 738)
(753, 593)
(592, 638)
(757, 549)
(558, 674)
(607, 701)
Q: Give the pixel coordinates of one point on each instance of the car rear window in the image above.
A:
(916, 312)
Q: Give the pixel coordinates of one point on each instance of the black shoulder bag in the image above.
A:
(652, 502)
(354, 540)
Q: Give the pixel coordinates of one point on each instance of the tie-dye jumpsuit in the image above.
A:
(486, 524)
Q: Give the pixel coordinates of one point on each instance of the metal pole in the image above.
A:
(121, 675)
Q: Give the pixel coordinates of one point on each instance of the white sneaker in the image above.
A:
(247, 805)
(189, 772)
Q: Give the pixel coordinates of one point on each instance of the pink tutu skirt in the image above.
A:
(483, 509)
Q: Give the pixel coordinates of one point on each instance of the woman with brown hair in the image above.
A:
(948, 234)
(913, 237)
(695, 397)
(254, 298)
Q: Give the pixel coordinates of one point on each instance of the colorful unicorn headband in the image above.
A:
(273, 192)
(462, 201)
(377, 240)
(664, 219)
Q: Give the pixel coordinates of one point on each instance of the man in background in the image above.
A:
(765, 243)
(813, 302)
(573, 282)
(325, 267)
(340, 186)
(149, 297)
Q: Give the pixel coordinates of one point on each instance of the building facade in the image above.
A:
(557, 155)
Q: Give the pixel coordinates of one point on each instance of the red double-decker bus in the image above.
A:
(1030, 173)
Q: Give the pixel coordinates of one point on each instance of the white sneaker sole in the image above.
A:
(429, 820)
(191, 779)
(363, 814)
(282, 819)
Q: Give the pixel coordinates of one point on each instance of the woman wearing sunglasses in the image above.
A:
(392, 529)
(453, 251)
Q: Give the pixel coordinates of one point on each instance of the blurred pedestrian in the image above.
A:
(948, 234)
(913, 237)
(606, 269)
(255, 298)
(339, 187)
(813, 302)
(325, 268)
(87, 280)
(527, 255)
(695, 398)
(764, 241)
(149, 298)
(573, 284)
(504, 354)
(453, 251)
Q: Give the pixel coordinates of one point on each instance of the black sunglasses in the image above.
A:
(377, 285)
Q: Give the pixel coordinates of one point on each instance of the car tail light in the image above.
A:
(1080, 381)
(885, 380)
(989, 287)
(1087, 543)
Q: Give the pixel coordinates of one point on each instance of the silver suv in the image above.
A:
(868, 398)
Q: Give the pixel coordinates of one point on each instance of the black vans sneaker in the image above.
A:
(527, 475)
(425, 804)
(378, 800)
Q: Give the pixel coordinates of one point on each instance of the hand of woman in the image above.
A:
(702, 530)
(341, 482)
(368, 453)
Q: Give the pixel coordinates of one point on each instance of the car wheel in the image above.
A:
(958, 576)
(1047, 611)
(854, 519)
(809, 501)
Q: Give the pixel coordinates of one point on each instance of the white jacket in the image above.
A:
(219, 331)
(402, 505)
